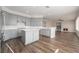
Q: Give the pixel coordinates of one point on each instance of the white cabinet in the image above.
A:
(45, 32)
(36, 35)
(30, 35)
(9, 34)
(49, 32)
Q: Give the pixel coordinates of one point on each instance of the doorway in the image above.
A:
(58, 25)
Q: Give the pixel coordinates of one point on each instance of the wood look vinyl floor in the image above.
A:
(65, 42)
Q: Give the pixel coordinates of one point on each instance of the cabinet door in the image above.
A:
(31, 36)
(9, 34)
(27, 37)
(11, 20)
(36, 35)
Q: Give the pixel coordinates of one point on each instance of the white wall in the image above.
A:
(77, 26)
(68, 24)
(51, 23)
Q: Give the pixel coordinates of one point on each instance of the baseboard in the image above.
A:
(67, 32)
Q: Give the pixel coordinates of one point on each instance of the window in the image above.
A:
(77, 24)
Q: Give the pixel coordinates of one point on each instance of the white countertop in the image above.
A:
(25, 27)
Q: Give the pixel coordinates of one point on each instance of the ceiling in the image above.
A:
(49, 12)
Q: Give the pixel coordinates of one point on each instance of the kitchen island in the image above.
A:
(29, 35)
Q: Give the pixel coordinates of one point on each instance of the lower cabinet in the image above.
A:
(35, 35)
(49, 32)
(30, 36)
(9, 34)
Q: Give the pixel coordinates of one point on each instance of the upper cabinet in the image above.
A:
(36, 22)
(10, 19)
(23, 21)
(27, 21)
